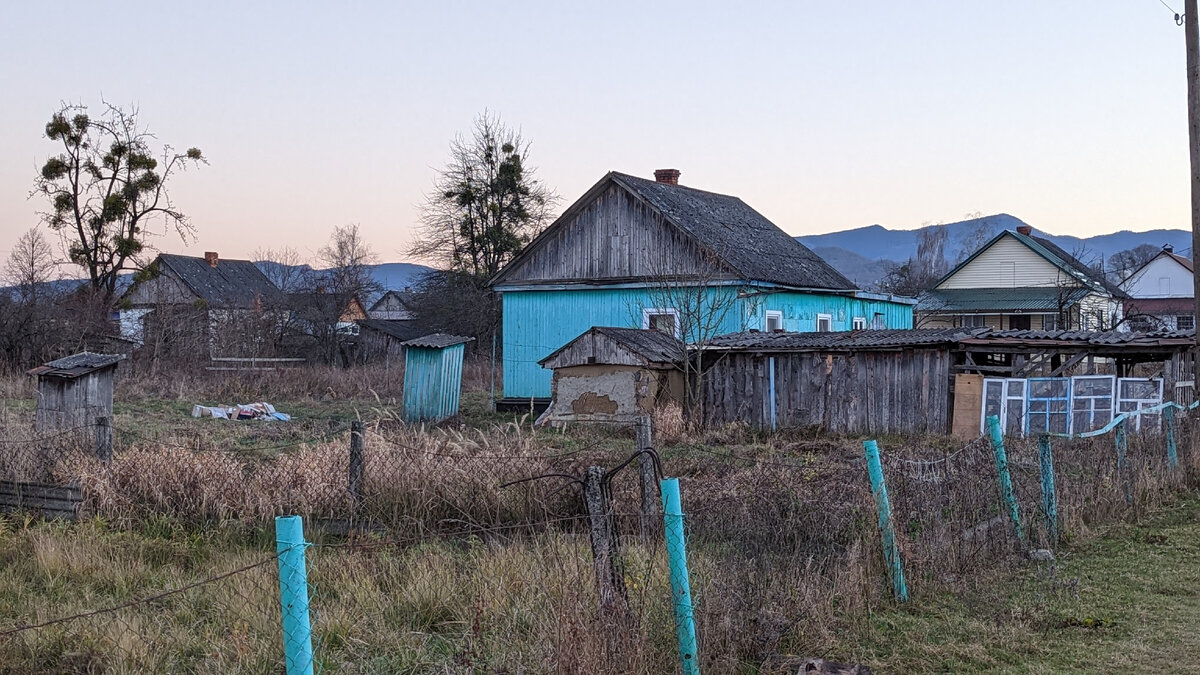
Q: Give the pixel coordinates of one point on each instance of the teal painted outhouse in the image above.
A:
(433, 377)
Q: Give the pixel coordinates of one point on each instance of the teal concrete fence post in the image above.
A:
(1006, 486)
(1049, 497)
(681, 592)
(1172, 448)
(293, 595)
(1122, 442)
(891, 550)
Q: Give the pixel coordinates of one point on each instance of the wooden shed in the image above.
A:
(74, 391)
(433, 376)
(613, 375)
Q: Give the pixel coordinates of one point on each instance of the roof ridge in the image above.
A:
(676, 185)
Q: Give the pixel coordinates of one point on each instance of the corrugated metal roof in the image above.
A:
(77, 365)
(860, 339)
(1047, 299)
(742, 237)
(438, 341)
(232, 284)
(895, 339)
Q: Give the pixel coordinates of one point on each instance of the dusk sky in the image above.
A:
(823, 116)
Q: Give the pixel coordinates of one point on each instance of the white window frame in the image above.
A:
(828, 319)
(648, 312)
(1005, 398)
(1139, 423)
(1088, 404)
(1049, 412)
(858, 323)
(772, 314)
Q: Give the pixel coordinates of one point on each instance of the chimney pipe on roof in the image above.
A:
(1025, 230)
(1168, 248)
(210, 257)
(668, 176)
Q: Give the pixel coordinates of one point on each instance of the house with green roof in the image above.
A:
(1018, 281)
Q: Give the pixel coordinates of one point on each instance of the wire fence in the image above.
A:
(510, 550)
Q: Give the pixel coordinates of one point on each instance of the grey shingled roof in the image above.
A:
(438, 341)
(401, 330)
(743, 238)
(653, 345)
(77, 364)
(233, 284)
(867, 340)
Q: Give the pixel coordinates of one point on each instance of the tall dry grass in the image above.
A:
(463, 568)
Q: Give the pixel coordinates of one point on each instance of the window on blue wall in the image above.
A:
(824, 323)
(1049, 405)
(661, 319)
(859, 323)
(774, 321)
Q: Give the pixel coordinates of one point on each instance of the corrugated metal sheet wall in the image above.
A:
(432, 383)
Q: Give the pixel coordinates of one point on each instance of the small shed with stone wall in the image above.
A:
(614, 375)
(433, 376)
(74, 391)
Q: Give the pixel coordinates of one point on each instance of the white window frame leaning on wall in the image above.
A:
(828, 319)
(858, 323)
(649, 312)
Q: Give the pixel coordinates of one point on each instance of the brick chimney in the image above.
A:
(210, 257)
(1025, 230)
(668, 176)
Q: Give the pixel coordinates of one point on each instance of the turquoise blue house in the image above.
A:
(654, 254)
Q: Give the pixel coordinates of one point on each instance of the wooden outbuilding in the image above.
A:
(614, 375)
(74, 391)
(943, 380)
(433, 377)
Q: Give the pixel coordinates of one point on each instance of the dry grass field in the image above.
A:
(464, 564)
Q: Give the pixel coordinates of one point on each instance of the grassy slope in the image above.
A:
(1128, 601)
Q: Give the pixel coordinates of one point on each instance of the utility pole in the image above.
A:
(1192, 39)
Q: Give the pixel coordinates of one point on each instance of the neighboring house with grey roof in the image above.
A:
(1022, 282)
(631, 252)
(210, 294)
(1161, 293)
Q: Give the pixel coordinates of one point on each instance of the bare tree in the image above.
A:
(348, 259)
(283, 266)
(1124, 263)
(486, 204)
(106, 188)
(687, 300)
(31, 265)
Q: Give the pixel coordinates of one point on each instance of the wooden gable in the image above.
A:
(614, 237)
(163, 288)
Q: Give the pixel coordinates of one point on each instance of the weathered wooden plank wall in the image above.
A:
(863, 392)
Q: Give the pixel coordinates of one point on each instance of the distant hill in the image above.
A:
(863, 254)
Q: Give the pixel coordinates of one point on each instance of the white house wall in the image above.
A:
(1006, 264)
(1163, 277)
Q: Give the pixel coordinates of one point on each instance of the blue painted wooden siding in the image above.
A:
(537, 322)
(432, 382)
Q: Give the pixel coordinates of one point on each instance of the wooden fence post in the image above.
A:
(104, 439)
(610, 585)
(648, 517)
(1006, 486)
(356, 465)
